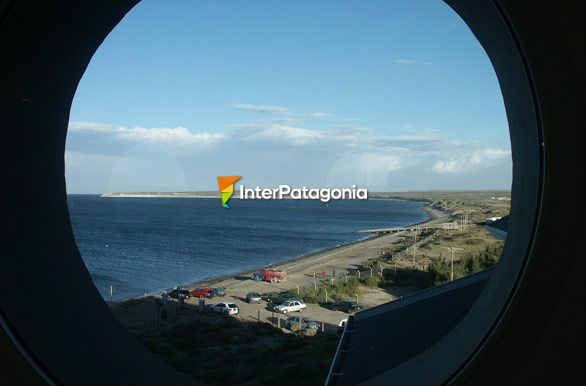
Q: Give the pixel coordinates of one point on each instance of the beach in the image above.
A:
(335, 262)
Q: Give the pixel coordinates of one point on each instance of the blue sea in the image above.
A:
(147, 245)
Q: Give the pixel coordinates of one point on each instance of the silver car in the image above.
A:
(225, 308)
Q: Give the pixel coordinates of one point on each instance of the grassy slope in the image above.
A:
(219, 350)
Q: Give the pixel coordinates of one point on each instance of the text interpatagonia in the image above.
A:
(304, 193)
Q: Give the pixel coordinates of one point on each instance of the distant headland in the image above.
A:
(204, 194)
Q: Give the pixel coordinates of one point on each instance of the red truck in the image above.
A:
(270, 275)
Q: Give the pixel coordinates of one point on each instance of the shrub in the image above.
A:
(372, 281)
(407, 277)
(439, 273)
(309, 295)
(471, 265)
(489, 257)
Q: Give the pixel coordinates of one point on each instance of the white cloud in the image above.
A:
(165, 135)
(369, 167)
(177, 135)
(449, 166)
(263, 109)
(408, 62)
(337, 152)
(404, 61)
(471, 161)
(282, 133)
(90, 126)
(320, 115)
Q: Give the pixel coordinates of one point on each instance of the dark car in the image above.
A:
(179, 293)
(279, 298)
(218, 291)
(253, 297)
(346, 306)
(296, 323)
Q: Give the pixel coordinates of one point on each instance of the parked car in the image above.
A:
(280, 298)
(296, 323)
(219, 291)
(179, 293)
(346, 306)
(342, 325)
(253, 297)
(205, 292)
(290, 306)
(225, 308)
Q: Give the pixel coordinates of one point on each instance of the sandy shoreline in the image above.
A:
(340, 260)
(343, 258)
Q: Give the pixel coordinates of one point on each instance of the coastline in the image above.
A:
(336, 256)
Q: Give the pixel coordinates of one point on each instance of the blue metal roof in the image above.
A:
(383, 337)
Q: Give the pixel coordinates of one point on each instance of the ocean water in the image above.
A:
(146, 245)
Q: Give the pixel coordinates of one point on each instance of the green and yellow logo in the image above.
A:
(226, 184)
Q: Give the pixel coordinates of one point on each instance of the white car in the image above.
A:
(290, 306)
(225, 308)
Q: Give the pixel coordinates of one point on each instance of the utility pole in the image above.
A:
(414, 247)
(452, 249)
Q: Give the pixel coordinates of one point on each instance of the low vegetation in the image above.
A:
(218, 350)
(340, 289)
(479, 204)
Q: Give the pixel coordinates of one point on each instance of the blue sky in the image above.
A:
(391, 95)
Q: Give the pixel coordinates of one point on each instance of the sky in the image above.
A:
(387, 95)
